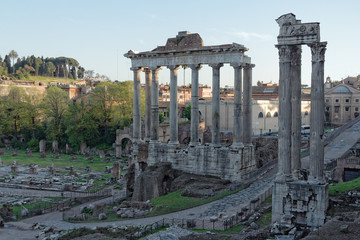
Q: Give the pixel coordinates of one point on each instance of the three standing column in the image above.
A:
(137, 105)
(155, 103)
(284, 152)
(148, 94)
(216, 104)
(173, 105)
(238, 114)
(247, 115)
(317, 112)
(194, 104)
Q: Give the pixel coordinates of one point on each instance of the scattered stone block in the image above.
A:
(102, 216)
(344, 228)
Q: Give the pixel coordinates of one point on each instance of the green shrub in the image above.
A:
(33, 144)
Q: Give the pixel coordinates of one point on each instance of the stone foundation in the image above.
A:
(300, 202)
(223, 162)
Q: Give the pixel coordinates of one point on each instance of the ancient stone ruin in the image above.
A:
(297, 198)
(233, 163)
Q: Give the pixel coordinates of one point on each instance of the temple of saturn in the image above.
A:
(233, 163)
(298, 198)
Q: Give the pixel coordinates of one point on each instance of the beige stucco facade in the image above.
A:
(264, 115)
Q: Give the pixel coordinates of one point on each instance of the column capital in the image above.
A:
(318, 51)
(284, 53)
(216, 65)
(154, 68)
(295, 58)
(237, 65)
(136, 69)
(195, 66)
(173, 67)
(248, 66)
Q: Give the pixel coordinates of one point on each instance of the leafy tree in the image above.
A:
(187, 112)
(81, 126)
(13, 55)
(55, 106)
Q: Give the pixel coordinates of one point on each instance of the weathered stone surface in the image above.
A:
(102, 216)
(42, 146)
(153, 182)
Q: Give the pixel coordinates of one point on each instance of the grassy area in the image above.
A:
(174, 202)
(334, 189)
(64, 161)
(32, 206)
(265, 219)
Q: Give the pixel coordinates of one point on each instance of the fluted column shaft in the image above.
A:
(216, 104)
(238, 114)
(284, 149)
(173, 105)
(296, 108)
(247, 113)
(148, 78)
(194, 104)
(317, 112)
(155, 103)
(137, 105)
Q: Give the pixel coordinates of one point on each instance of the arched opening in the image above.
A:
(261, 115)
(276, 114)
(268, 115)
(126, 146)
(306, 113)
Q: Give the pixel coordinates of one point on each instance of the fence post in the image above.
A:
(203, 224)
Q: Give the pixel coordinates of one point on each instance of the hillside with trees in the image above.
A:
(24, 67)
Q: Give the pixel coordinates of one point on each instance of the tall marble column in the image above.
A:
(216, 104)
(137, 105)
(148, 78)
(155, 103)
(284, 149)
(238, 114)
(194, 104)
(247, 114)
(317, 113)
(295, 76)
(173, 105)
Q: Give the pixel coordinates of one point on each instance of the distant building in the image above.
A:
(342, 103)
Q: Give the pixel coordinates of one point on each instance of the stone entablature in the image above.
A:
(230, 53)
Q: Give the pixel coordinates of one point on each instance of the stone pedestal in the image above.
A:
(116, 170)
(83, 147)
(306, 203)
(42, 146)
(33, 170)
(55, 146)
(14, 169)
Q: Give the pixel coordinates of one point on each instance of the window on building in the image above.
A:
(356, 100)
(261, 115)
(327, 100)
(347, 100)
(306, 113)
(336, 100)
(268, 115)
(276, 114)
(356, 109)
(346, 109)
(337, 108)
(327, 108)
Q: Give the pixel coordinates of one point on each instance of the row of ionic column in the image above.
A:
(290, 111)
(242, 104)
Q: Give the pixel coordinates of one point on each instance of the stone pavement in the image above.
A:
(338, 146)
(232, 203)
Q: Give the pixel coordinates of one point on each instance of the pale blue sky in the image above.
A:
(98, 33)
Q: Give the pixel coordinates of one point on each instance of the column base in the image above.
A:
(193, 144)
(174, 143)
(237, 146)
(215, 145)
